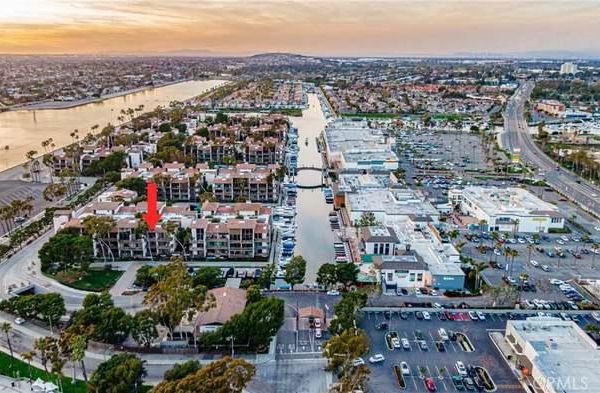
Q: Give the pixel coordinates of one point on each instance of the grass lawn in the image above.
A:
(93, 280)
(21, 369)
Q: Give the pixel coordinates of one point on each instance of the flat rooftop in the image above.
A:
(511, 200)
(564, 352)
(392, 202)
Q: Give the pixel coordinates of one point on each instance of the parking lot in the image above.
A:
(432, 362)
(441, 365)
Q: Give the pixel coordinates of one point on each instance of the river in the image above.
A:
(24, 130)
(314, 236)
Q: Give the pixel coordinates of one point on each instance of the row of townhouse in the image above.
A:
(174, 181)
(238, 231)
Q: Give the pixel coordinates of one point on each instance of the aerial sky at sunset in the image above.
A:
(318, 27)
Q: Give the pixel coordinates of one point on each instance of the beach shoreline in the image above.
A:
(16, 171)
(57, 105)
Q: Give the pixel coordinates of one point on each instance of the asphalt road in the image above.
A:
(517, 135)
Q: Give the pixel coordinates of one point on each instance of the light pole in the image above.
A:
(231, 339)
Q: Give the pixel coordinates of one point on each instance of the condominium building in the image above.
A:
(174, 181)
(507, 209)
(247, 182)
(239, 231)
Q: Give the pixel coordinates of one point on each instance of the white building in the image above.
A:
(389, 203)
(568, 68)
(554, 356)
(402, 271)
(379, 240)
(353, 145)
(507, 209)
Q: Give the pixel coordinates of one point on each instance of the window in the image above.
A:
(390, 276)
(420, 277)
(387, 249)
(411, 277)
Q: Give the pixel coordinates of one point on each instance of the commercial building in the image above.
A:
(554, 356)
(379, 240)
(353, 145)
(507, 209)
(551, 107)
(402, 271)
(388, 203)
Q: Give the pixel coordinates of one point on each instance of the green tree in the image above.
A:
(340, 351)
(253, 294)
(66, 250)
(174, 295)
(327, 275)
(346, 273)
(181, 370)
(348, 311)
(101, 320)
(253, 328)
(295, 270)
(122, 373)
(266, 276)
(144, 277)
(143, 327)
(209, 276)
(136, 184)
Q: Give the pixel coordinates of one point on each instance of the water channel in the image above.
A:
(314, 236)
(24, 130)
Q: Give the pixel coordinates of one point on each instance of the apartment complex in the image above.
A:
(239, 231)
(247, 182)
(174, 181)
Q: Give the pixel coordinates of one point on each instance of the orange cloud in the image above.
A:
(337, 27)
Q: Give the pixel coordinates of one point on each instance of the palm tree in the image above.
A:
(78, 347)
(5, 327)
(475, 272)
(28, 356)
(522, 278)
(41, 345)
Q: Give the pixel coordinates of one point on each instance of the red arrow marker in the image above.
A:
(152, 216)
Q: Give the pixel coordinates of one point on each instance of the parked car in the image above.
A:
(19, 321)
(405, 344)
(481, 315)
(460, 367)
(405, 368)
(358, 362)
(423, 345)
(396, 342)
(377, 358)
(430, 384)
(426, 316)
(333, 292)
(473, 315)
